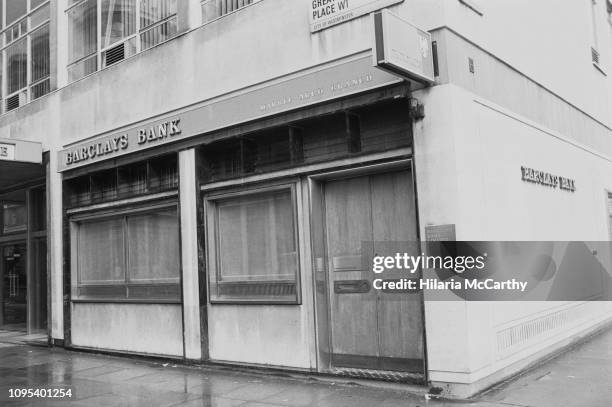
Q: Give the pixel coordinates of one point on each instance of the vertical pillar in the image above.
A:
(189, 14)
(29, 259)
(189, 254)
(55, 265)
(59, 35)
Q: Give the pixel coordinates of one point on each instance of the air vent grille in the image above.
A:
(114, 55)
(12, 102)
(595, 56)
(263, 289)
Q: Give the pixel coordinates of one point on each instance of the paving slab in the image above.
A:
(580, 377)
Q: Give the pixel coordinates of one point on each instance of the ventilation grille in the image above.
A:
(240, 290)
(595, 56)
(516, 337)
(15, 101)
(114, 55)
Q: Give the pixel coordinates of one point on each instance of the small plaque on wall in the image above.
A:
(440, 233)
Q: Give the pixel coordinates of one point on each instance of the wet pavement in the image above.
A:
(580, 377)
(19, 337)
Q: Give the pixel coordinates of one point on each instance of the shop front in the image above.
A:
(23, 247)
(286, 212)
(231, 230)
(243, 245)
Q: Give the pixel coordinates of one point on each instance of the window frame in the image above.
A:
(20, 228)
(26, 36)
(204, 21)
(135, 38)
(211, 242)
(123, 214)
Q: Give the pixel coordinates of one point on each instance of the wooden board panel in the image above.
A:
(372, 330)
(353, 315)
(399, 314)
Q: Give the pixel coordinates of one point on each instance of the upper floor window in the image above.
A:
(212, 9)
(25, 51)
(103, 32)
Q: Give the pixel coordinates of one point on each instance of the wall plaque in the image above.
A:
(7, 152)
(327, 13)
(440, 233)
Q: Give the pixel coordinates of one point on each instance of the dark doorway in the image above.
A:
(14, 287)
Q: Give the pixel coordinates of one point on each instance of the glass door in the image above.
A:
(14, 287)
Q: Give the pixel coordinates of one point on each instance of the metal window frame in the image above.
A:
(211, 228)
(204, 22)
(136, 36)
(4, 45)
(122, 213)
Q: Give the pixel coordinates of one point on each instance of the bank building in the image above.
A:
(193, 179)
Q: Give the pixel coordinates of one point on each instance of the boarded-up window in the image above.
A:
(254, 241)
(129, 257)
(154, 254)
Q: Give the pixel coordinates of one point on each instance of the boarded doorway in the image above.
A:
(367, 328)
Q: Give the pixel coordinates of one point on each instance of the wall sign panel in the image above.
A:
(327, 13)
(309, 88)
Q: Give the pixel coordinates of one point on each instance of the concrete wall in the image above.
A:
(280, 336)
(506, 86)
(549, 41)
(233, 52)
(481, 127)
(139, 328)
(469, 152)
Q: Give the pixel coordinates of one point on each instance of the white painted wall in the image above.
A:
(140, 328)
(469, 152)
(279, 336)
(548, 40)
